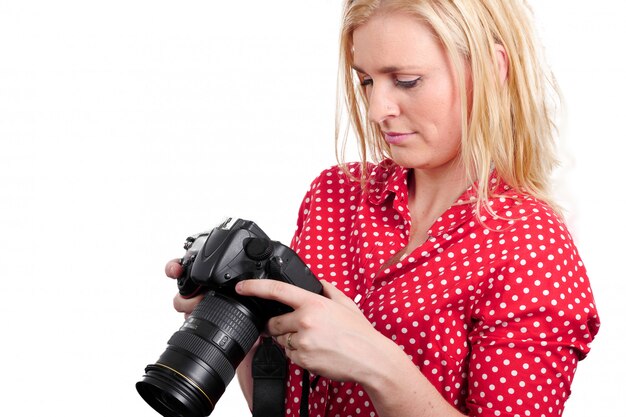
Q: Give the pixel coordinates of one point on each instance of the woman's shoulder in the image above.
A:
(522, 209)
(530, 231)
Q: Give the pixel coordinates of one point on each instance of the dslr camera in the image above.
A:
(201, 357)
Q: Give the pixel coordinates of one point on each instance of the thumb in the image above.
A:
(333, 293)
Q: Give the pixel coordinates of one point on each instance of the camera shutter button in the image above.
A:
(259, 249)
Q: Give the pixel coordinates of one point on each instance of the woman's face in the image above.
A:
(412, 91)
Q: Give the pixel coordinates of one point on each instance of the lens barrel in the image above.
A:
(201, 358)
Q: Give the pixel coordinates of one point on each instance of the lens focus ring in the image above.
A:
(205, 351)
(225, 315)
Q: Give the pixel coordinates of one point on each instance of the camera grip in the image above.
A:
(287, 266)
(186, 287)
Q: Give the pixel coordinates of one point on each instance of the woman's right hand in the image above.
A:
(174, 269)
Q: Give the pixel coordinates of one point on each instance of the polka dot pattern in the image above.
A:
(495, 310)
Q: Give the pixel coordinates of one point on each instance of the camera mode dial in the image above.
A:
(259, 249)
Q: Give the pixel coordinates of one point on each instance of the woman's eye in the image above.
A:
(368, 81)
(408, 83)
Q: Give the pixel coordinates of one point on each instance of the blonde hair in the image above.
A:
(510, 129)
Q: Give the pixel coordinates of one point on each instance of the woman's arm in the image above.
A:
(330, 337)
(397, 387)
(244, 374)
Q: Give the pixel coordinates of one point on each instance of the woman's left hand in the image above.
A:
(327, 335)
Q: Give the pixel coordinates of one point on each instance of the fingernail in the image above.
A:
(239, 286)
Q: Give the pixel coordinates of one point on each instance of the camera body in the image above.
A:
(202, 356)
(238, 250)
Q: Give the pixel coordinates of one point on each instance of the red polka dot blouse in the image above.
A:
(495, 312)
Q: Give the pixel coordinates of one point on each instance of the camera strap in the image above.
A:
(269, 370)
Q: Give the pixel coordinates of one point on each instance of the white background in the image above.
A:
(127, 125)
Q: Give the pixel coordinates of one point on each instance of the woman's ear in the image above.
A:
(503, 63)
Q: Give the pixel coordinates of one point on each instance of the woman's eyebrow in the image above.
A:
(357, 69)
(387, 70)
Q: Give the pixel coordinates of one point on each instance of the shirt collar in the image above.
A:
(387, 178)
(464, 208)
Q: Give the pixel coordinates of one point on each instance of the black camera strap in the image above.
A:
(269, 370)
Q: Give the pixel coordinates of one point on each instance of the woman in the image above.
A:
(452, 286)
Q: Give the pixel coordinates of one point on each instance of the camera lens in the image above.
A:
(201, 358)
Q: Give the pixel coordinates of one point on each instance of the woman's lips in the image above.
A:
(394, 138)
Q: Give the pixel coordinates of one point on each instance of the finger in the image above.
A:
(288, 340)
(335, 294)
(174, 269)
(282, 324)
(186, 305)
(282, 292)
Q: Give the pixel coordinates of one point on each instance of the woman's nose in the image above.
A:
(381, 105)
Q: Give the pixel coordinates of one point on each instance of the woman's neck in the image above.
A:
(431, 193)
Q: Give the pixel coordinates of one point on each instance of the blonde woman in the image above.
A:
(452, 286)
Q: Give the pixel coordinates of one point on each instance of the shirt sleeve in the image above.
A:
(333, 180)
(303, 212)
(532, 323)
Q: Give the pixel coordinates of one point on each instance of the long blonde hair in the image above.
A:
(511, 129)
